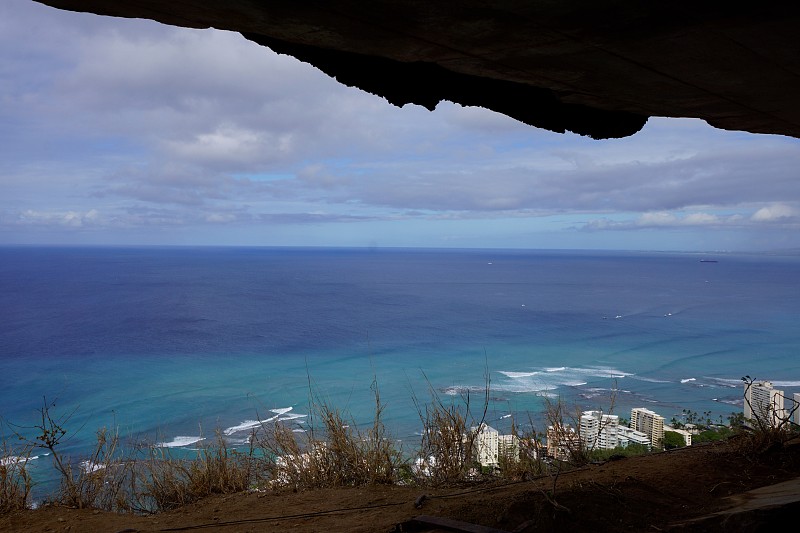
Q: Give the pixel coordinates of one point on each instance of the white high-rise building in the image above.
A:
(796, 408)
(763, 403)
(649, 423)
(508, 447)
(599, 431)
(489, 446)
(486, 445)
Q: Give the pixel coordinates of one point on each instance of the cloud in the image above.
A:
(776, 213)
(64, 219)
(229, 147)
(153, 126)
(720, 177)
(220, 218)
(667, 220)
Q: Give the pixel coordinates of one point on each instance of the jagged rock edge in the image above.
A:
(427, 84)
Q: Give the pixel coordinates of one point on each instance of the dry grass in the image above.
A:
(15, 482)
(145, 479)
(98, 482)
(527, 461)
(447, 451)
(151, 479)
(331, 451)
(221, 470)
(762, 440)
(160, 481)
(564, 424)
(337, 454)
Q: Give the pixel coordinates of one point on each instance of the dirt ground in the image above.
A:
(672, 491)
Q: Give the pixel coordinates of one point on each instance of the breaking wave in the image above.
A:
(546, 380)
(282, 414)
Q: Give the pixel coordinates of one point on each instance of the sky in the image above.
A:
(129, 132)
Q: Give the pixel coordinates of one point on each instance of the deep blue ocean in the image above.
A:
(168, 345)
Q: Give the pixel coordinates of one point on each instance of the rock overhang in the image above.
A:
(596, 69)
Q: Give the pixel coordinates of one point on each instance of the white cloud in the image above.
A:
(220, 218)
(657, 219)
(73, 219)
(775, 212)
(150, 126)
(229, 147)
(667, 220)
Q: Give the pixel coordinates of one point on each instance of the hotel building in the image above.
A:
(599, 431)
(649, 423)
(763, 403)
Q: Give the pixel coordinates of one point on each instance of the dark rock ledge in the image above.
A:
(594, 68)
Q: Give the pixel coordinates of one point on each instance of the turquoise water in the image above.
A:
(170, 344)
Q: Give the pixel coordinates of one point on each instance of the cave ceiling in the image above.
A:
(594, 68)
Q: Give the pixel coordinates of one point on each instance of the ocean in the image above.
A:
(169, 345)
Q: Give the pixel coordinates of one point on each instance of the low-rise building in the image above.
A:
(627, 436)
(687, 435)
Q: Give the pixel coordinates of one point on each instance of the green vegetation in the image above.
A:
(693, 417)
(713, 434)
(619, 452)
(673, 440)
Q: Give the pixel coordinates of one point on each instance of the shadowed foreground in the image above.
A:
(703, 488)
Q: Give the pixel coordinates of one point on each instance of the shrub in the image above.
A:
(98, 481)
(770, 427)
(15, 482)
(564, 428)
(714, 434)
(631, 450)
(342, 455)
(162, 481)
(673, 439)
(527, 460)
(447, 449)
